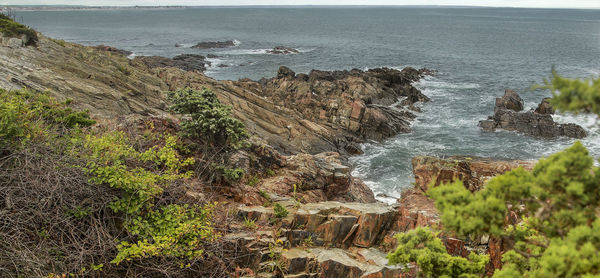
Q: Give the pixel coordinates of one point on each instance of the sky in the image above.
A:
(595, 4)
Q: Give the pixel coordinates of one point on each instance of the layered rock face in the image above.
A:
(332, 239)
(355, 101)
(329, 239)
(100, 81)
(320, 112)
(538, 123)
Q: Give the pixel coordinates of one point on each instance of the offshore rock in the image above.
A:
(507, 117)
(545, 107)
(510, 100)
(282, 50)
(187, 62)
(217, 44)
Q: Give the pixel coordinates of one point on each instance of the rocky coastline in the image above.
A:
(303, 127)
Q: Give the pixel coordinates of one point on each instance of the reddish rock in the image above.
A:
(456, 247)
(496, 248)
(473, 171)
(545, 107)
(416, 210)
(510, 100)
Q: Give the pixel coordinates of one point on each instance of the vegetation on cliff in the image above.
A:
(547, 219)
(10, 28)
(87, 199)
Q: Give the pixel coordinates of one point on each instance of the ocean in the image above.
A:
(478, 52)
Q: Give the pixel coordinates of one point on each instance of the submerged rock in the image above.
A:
(283, 50)
(217, 44)
(538, 123)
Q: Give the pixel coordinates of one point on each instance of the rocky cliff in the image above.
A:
(303, 126)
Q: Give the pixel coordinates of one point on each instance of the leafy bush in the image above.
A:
(574, 95)
(229, 175)
(26, 115)
(279, 211)
(558, 202)
(12, 29)
(557, 233)
(164, 231)
(423, 247)
(80, 200)
(208, 118)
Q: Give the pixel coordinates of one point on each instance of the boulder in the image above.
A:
(336, 224)
(282, 50)
(316, 178)
(284, 72)
(510, 100)
(473, 171)
(214, 44)
(545, 107)
(538, 123)
(14, 42)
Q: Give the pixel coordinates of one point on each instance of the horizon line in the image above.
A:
(292, 5)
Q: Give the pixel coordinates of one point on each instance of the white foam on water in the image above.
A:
(261, 51)
(434, 83)
(131, 56)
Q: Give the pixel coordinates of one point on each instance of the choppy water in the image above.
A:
(478, 52)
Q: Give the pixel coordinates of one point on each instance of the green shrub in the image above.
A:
(559, 235)
(26, 115)
(208, 118)
(124, 70)
(253, 180)
(279, 211)
(424, 248)
(141, 175)
(12, 29)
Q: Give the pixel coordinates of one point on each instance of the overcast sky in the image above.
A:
(495, 3)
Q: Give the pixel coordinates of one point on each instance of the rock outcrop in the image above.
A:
(356, 102)
(113, 49)
(328, 239)
(473, 171)
(507, 116)
(217, 44)
(283, 50)
(545, 107)
(187, 62)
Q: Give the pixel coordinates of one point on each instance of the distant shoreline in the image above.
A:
(81, 7)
